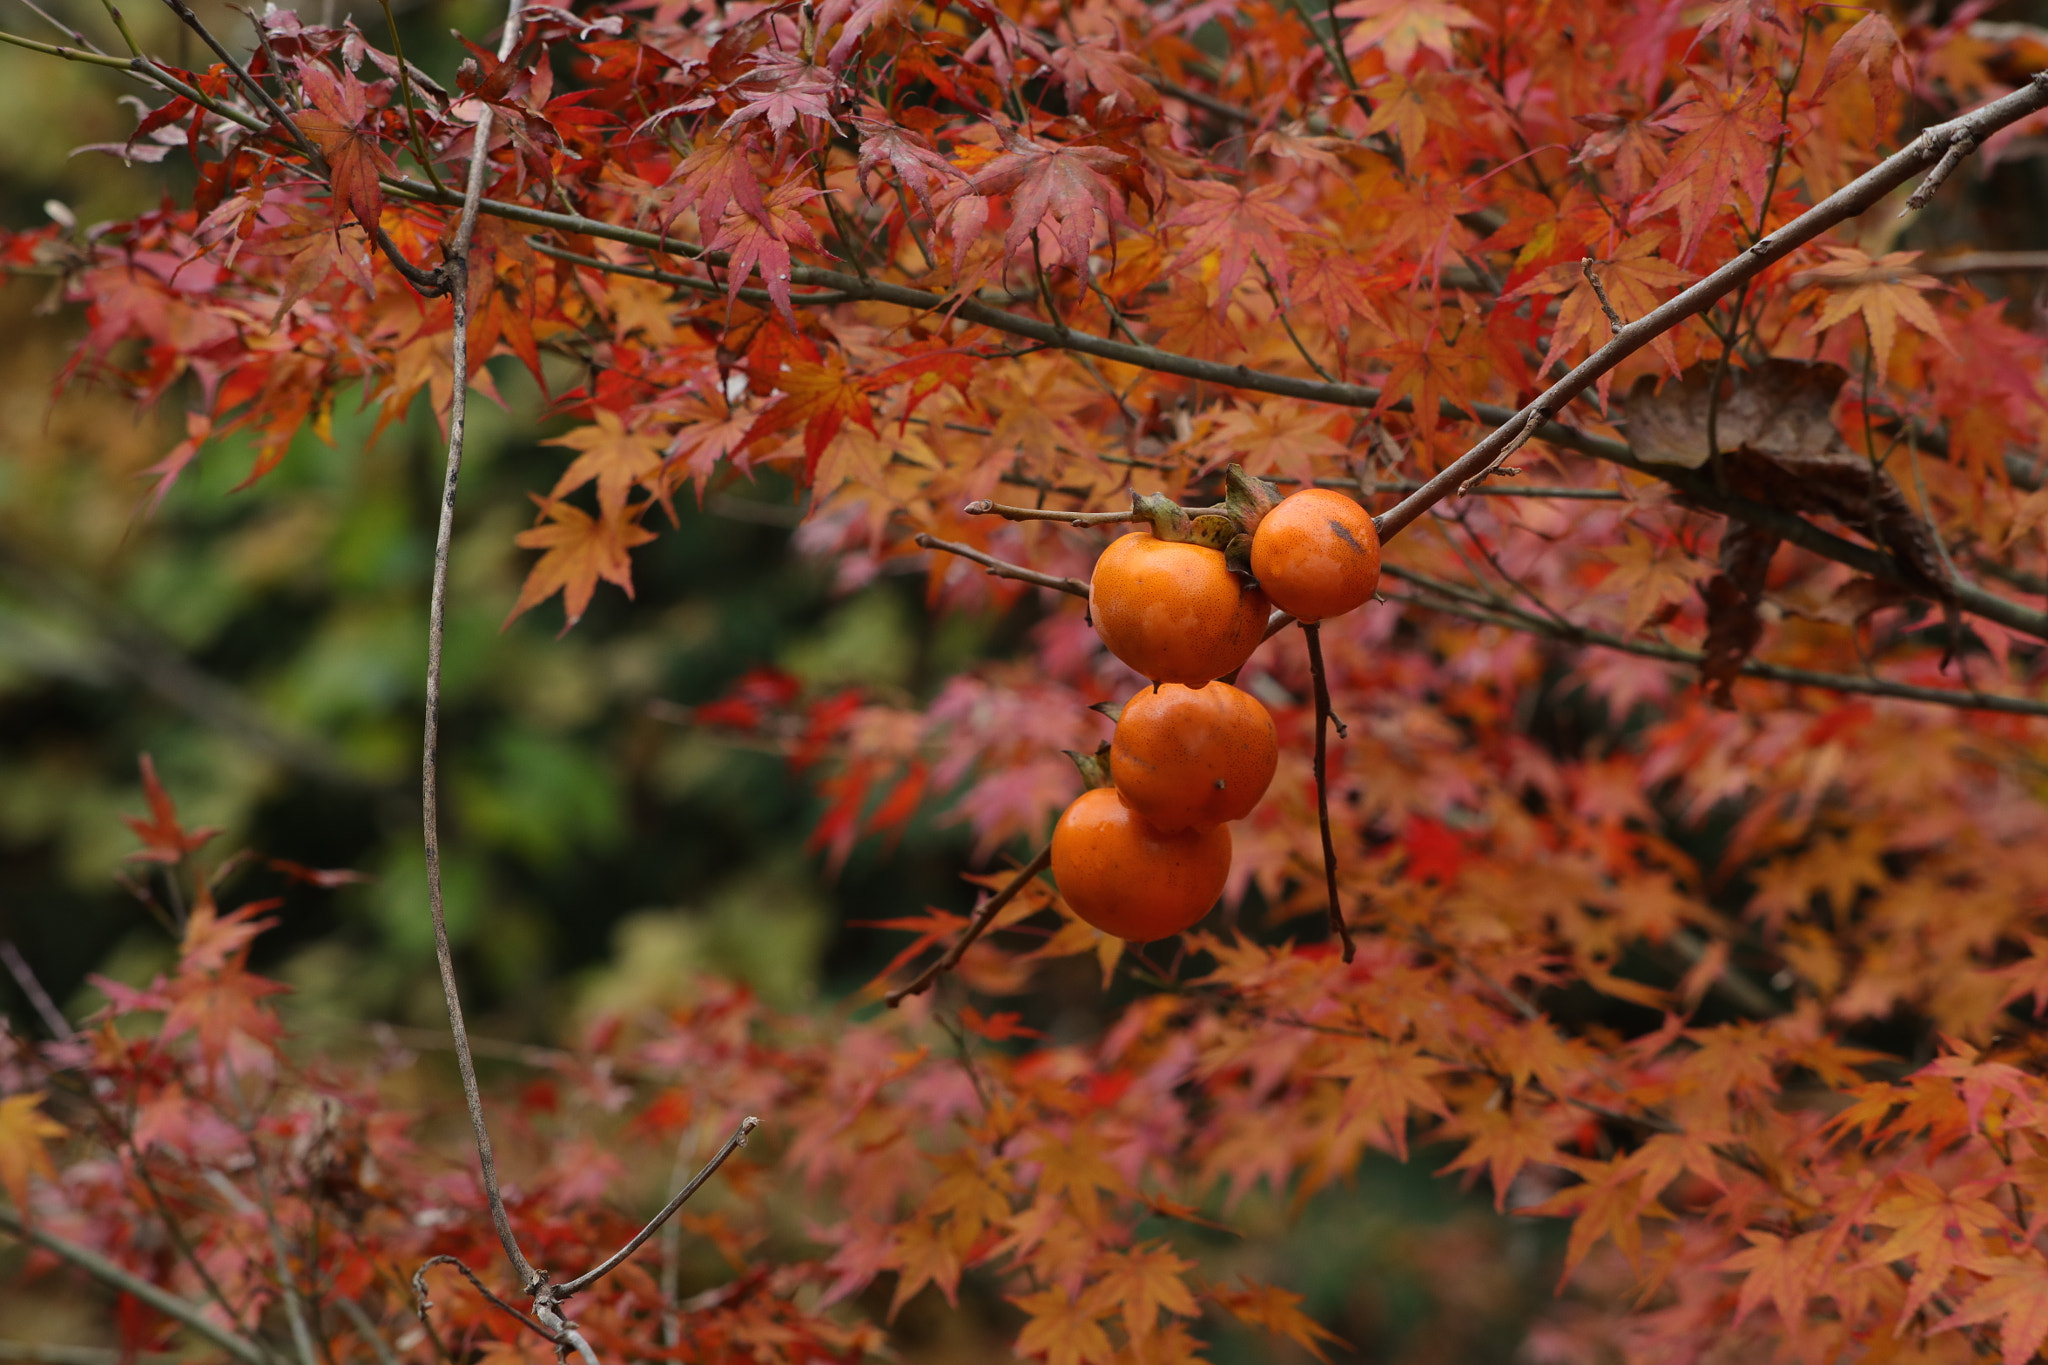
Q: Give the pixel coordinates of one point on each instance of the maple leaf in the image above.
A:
(1610, 1204)
(1728, 134)
(164, 839)
(581, 549)
(1142, 1283)
(337, 125)
(1870, 48)
(610, 454)
(1634, 280)
(1399, 27)
(1274, 435)
(1410, 106)
(1237, 225)
(920, 1256)
(1940, 1229)
(1054, 188)
(1649, 576)
(1061, 1328)
(761, 241)
(24, 1128)
(1276, 1310)
(715, 178)
(2015, 1296)
(1783, 1269)
(782, 88)
(1104, 80)
(822, 396)
(1882, 291)
(908, 152)
(1505, 1138)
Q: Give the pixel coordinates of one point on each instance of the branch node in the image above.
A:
(1960, 144)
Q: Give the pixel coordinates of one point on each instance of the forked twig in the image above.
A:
(421, 1303)
(976, 927)
(1614, 322)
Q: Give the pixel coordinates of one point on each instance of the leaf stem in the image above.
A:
(984, 915)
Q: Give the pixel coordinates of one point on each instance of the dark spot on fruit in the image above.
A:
(1343, 533)
(1220, 784)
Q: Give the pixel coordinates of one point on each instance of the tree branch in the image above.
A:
(984, 916)
(162, 1300)
(456, 268)
(1312, 631)
(1453, 601)
(1935, 145)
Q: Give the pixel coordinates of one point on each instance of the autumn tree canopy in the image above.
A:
(1660, 852)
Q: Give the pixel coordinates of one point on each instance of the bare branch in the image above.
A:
(1003, 568)
(162, 1300)
(618, 1258)
(1451, 600)
(984, 916)
(53, 1353)
(456, 270)
(987, 508)
(1960, 144)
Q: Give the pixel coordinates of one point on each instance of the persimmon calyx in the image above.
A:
(1248, 497)
(1094, 768)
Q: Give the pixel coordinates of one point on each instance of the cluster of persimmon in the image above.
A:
(1144, 853)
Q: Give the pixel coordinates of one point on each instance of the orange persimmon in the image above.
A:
(1317, 555)
(1192, 757)
(1129, 879)
(1173, 611)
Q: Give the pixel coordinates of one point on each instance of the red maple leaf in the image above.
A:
(1053, 187)
(164, 839)
(1728, 134)
(337, 125)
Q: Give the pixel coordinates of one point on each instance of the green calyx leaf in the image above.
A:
(1094, 768)
(1248, 498)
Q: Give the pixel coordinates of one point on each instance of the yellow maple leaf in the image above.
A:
(24, 1128)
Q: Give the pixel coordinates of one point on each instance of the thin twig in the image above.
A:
(248, 82)
(422, 1303)
(1312, 631)
(38, 998)
(984, 508)
(618, 1258)
(1614, 322)
(1003, 568)
(1960, 144)
(163, 1301)
(984, 916)
(54, 1353)
(456, 266)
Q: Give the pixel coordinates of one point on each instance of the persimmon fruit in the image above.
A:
(1174, 611)
(1129, 879)
(1317, 555)
(1186, 757)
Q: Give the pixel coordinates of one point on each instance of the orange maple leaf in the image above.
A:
(580, 550)
(2016, 1294)
(1409, 106)
(1883, 291)
(1634, 279)
(24, 1128)
(1398, 27)
(1062, 1328)
(1141, 1284)
(1649, 577)
(1869, 48)
(1784, 1270)
(822, 397)
(920, 1255)
(612, 455)
(1275, 1310)
(1610, 1203)
(1941, 1229)
(1505, 1138)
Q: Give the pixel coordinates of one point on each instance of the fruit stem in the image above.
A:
(1313, 631)
(983, 917)
(983, 507)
